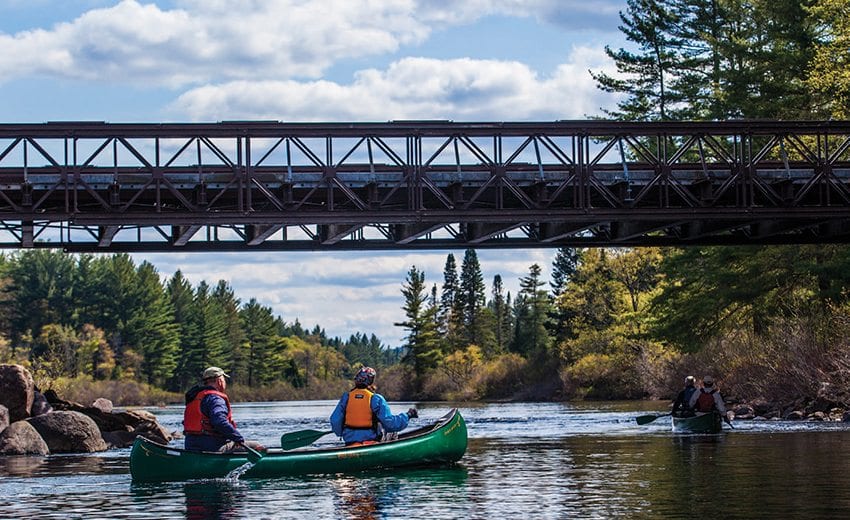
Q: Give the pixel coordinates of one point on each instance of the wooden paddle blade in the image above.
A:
(290, 441)
(646, 419)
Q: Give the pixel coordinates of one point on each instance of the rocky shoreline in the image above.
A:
(763, 411)
(36, 424)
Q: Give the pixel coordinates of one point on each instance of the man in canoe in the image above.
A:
(208, 421)
(682, 404)
(361, 413)
(708, 398)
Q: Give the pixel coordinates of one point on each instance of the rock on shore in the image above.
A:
(36, 424)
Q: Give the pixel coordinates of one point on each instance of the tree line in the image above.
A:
(771, 322)
(106, 318)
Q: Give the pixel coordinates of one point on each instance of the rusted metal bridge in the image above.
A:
(87, 186)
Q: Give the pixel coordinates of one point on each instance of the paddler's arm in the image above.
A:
(390, 422)
(338, 416)
(216, 409)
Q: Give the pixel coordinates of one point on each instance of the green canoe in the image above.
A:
(439, 443)
(706, 423)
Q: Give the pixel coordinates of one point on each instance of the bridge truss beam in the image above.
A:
(421, 185)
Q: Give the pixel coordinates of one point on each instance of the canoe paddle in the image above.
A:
(254, 456)
(290, 441)
(646, 419)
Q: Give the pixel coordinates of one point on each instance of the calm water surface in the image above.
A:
(525, 460)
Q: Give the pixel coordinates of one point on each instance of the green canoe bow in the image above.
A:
(441, 442)
(708, 423)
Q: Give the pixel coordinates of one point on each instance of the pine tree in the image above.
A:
(473, 296)
(261, 337)
(234, 335)
(501, 313)
(713, 59)
(828, 78)
(450, 315)
(152, 329)
(211, 324)
(422, 341)
(564, 269)
(532, 310)
(648, 76)
(44, 284)
(182, 296)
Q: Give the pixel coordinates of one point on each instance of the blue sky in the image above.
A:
(305, 60)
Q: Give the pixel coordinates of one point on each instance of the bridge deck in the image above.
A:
(421, 184)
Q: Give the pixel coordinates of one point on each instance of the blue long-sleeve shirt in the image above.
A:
(215, 408)
(389, 422)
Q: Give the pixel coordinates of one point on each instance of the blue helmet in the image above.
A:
(365, 377)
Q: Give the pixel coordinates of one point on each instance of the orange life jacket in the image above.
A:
(194, 420)
(358, 412)
(705, 401)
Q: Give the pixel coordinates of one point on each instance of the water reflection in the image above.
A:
(525, 460)
(378, 495)
(355, 499)
(22, 465)
(214, 499)
(38, 466)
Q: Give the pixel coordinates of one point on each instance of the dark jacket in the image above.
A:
(215, 408)
(683, 400)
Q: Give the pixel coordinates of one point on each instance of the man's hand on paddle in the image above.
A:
(412, 413)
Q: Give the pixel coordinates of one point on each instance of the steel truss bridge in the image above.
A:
(229, 186)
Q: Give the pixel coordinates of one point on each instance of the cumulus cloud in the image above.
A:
(414, 88)
(200, 41)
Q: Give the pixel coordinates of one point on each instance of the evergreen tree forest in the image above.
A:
(770, 322)
(75, 319)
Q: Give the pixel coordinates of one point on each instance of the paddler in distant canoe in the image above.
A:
(362, 412)
(208, 420)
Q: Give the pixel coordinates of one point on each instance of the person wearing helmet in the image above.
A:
(708, 398)
(682, 404)
(361, 413)
(208, 421)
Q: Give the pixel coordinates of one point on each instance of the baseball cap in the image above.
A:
(213, 372)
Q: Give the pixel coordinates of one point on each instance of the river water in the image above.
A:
(525, 460)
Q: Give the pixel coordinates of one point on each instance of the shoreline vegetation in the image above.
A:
(613, 325)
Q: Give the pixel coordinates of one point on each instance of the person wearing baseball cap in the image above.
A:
(208, 423)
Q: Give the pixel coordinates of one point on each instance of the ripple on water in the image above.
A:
(530, 460)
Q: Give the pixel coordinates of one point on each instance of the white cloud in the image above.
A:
(414, 88)
(202, 41)
(210, 40)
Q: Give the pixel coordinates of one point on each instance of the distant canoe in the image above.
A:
(706, 423)
(441, 442)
